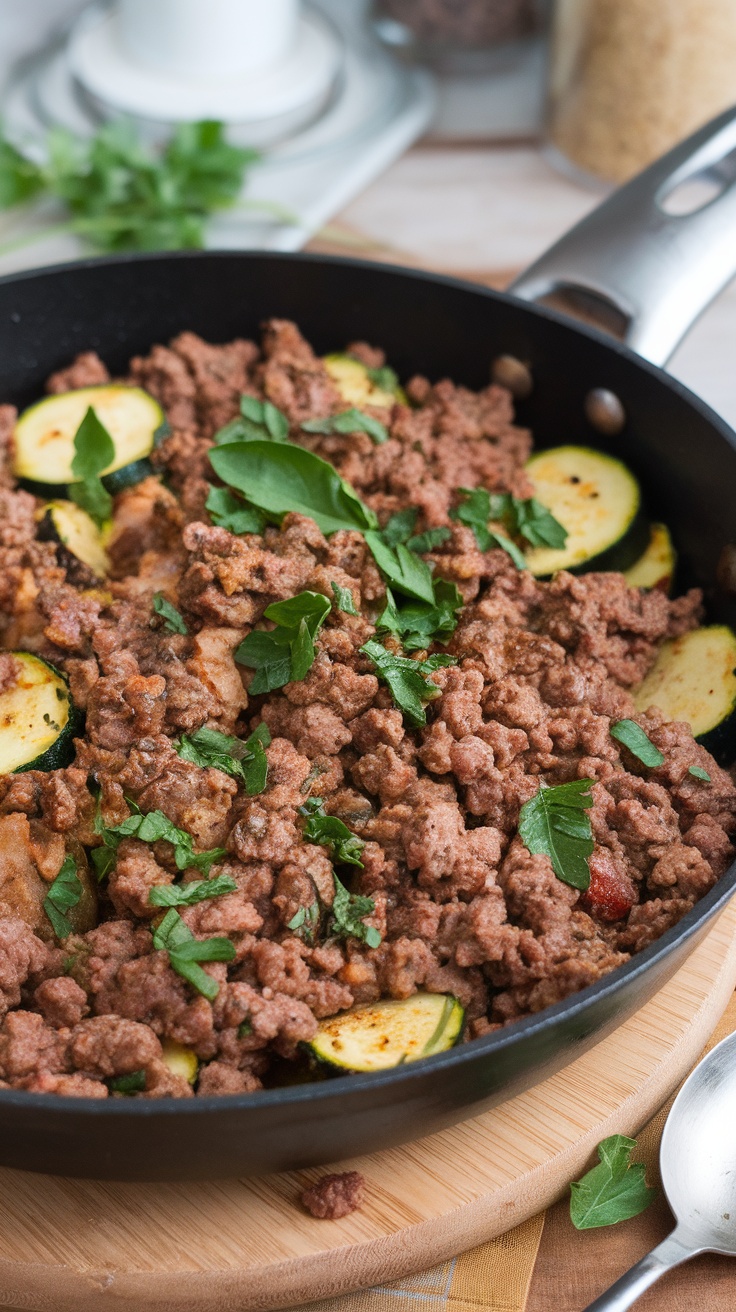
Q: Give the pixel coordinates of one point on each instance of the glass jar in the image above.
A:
(630, 78)
(454, 35)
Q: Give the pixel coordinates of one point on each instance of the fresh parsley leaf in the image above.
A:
(327, 830)
(344, 600)
(94, 450)
(533, 521)
(699, 773)
(229, 511)
(639, 744)
(555, 822)
(431, 538)
(613, 1191)
(407, 679)
(244, 1028)
(284, 654)
(348, 913)
(259, 421)
(475, 512)
(172, 618)
(400, 526)
(242, 759)
(133, 1083)
(64, 893)
(305, 923)
(350, 421)
(384, 377)
(420, 624)
(123, 196)
(279, 477)
(187, 895)
(185, 951)
(153, 828)
(20, 178)
(405, 570)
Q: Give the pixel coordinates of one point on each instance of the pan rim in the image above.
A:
(529, 1027)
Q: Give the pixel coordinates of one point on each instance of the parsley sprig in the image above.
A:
(284, 654)
(94, 450)
(475, 511)
(349, 911)
(150, 828)
(349, 421)
(343, 600)
(614, 1190)
(431, 614)
(188, 895)
(185, 952)
(259, 421)
(172, 618)
(638, 742)
(122, 196)
(419, 624)
(64, 893)
(242, 759)
(329, 831)
(555, 823)
(407, 679)
(230, 511)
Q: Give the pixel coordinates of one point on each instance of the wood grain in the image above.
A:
(79, 1246)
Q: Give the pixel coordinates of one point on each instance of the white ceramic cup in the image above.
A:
(205, 39)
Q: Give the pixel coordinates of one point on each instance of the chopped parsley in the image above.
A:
(384, 377)
(258, 421)
(407, 679)
(94, 450)
(327, 830)
(349, 421)
(227, 510)
(431, 614)
(187, 895)
(555, 823)
(639, 744)
(348, 914)
(475, 511)
(244, 760)
(344, 600)
(699, 773)
(305, 923)
(614, 1190)
(402, 567)
(64, 893)
(185, 951)
(150, 828)
(172, 618)
(284, 654)
(429, 539)
(419, 624)
(133, 1083)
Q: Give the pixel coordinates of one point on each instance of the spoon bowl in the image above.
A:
(697, 1160)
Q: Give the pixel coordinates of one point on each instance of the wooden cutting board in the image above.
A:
(82, 1246)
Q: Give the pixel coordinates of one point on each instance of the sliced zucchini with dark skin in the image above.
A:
(656, 568)
(43, 441)
(694, 679)
(38, 720)
(380, 1035)
(353, 381)
(78, 536)
(598, 501)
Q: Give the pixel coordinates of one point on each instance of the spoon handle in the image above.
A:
(671, 1252)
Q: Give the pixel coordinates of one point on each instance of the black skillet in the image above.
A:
(654, 273)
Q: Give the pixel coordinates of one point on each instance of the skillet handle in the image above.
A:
(656, 270)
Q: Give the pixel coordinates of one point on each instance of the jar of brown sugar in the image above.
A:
(629, 78)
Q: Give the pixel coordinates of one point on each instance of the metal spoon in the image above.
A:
(697, 1160)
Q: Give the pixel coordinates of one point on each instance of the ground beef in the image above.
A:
(458, 902)
(334, 1196)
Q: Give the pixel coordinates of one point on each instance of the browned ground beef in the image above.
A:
(543, 669)
(335, 1196)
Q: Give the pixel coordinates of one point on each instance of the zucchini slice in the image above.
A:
(180, 1060)
(44, 436)
(656, 568)
(37, 718)
(694, 679)
(78, 535)
(353, 381)
(598, 500)
(379, 1035)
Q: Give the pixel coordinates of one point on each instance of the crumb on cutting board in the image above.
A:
(335, 1196)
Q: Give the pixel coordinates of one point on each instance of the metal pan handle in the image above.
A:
(656, 270)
